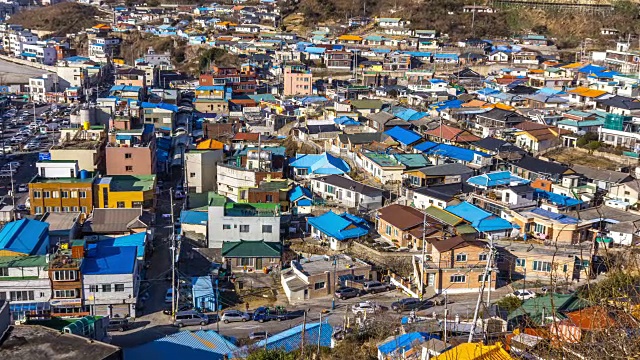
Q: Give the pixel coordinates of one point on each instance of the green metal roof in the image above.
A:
(251, 209)
(367, 104)
(443, 216)
(244, 248)
(217, 200)
(465, 229)
(132, 182)
(539, 308)
(23, 261)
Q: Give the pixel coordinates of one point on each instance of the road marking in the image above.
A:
(246, 327)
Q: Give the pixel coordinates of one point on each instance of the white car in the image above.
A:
(523, 294)
(365, 307)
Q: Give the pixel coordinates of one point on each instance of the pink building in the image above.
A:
(297, 81)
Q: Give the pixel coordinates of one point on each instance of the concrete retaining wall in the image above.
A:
(29, 63)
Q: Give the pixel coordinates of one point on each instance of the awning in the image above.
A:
(604, 240)
(23, 307)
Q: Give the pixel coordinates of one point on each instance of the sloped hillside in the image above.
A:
(63, 18)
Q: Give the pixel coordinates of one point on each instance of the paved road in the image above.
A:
(12, 73)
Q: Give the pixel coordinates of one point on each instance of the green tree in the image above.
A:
(264, 354)
(509, 303)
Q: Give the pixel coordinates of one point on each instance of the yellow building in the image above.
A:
(126, 191)
(475, 351)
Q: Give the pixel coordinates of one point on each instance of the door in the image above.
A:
(339, 194)
(258, 263)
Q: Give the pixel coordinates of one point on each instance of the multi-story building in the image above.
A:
(102, 48)
(18, 39)
(66, 281)
(242, 81)
(131, 77)
(233, 178)
(200, 169)
(86, 146)
(229, 221)
(40, 53)
(297, 80)
(132, 152)
(347, 192)
(337, 59)
(24, 280)
(40, 86)
(60, 186)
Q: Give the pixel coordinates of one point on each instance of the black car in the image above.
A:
(118, 324)
(347, 293)
(409, 304)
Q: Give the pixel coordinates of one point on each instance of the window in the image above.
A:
(461, 257)
(66, 209)
(106, 288)
(458, 279)
(56, 209)
(127, 155)
(244, 228)
(93, 288)
(74, 194)
(319, 285)
(521, 262)
(128, 168)
(55, 194)
(540, 228)
(75, 208)
(64, 194)
(136, 204)
(49, 208)
(348, 194)
(36, 194)
(83, 194)
(4, 271)
(267, 229)
(388, 230)
(268, 198)
(3, 295)
(120, 204)
(119, 287)
(46, 194)
(565, 268)
(38, 209)
(69, 294)
(483, 257)
(544, 266)
(82, 209)
(226, 226)
(21, 295)
(192, 175)
(65, 275)
(485, 276)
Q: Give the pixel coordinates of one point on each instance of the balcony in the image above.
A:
(64, 261)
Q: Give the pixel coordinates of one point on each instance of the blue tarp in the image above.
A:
(194, 217)
(561, 218)
(341, 227)
(405, 342)
(290, 340)
(403, 136)
(557, 199)
(138, 240)
(496, 178)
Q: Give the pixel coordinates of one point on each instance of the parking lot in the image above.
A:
(24, 132)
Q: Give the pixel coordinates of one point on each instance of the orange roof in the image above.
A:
(210, 144)
(350, 38)
(591, 318)
(244, 102)
(536, 71)
(102, 26)
(574, 65)
(586, 92)
(452, 134)
(474, 103)
(238, 7)
(505, 107)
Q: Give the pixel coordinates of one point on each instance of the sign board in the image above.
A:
(43, 156)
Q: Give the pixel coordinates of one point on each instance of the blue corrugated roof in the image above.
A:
(496, 178)
(557, 199)
(25, 236)
(403, 136)
(341, 227)
(424, 146)
(299, 192)
(407, 114)
(165, 106)
(561, 218)
(405, 342)
(110, 260)
(454, 152)
(481, 220)
(194, 217)
(591, 69)
(202, 344)
(290, 340)
(345, 120)
(138, 240)
(321, 164)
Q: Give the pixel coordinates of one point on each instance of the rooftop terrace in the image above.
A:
(251, 209)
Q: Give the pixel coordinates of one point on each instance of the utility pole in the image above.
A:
(424, 246)
(218, 311)
(482, 286)
(335, 266)
(446, 314)
(173, 259)
(319, 333)
(304, 328)
(13, 195)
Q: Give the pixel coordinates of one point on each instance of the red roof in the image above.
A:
(247, 136)
(452, 134)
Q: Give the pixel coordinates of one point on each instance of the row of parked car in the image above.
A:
(368, 287)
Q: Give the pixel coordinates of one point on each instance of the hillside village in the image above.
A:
(369, 190)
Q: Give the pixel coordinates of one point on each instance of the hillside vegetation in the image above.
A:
(61, 19)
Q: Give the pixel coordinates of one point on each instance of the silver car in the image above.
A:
(190, 317)
(234, 315)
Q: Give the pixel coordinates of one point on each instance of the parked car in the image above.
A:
(23, 188)
(278, 313)
(409, 304)
(118, 324)
(522, 294)
(190, 317)
(258, 335)
(372, 287)
(234, 316)
(347, 293)
(366, 307)
(168, 297)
